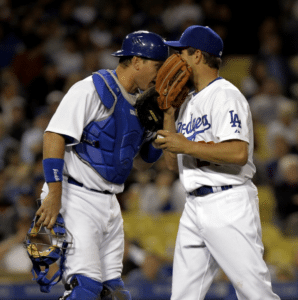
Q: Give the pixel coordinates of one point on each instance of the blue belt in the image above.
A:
(73, 181)
(205, 190)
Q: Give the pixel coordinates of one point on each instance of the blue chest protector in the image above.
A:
(109, 146)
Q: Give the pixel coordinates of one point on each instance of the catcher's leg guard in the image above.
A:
(114, 290)
(83, 288)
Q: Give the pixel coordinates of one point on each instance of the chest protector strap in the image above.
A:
(109, 146)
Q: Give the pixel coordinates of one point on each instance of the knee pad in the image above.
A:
(114, 290)
(84, 288)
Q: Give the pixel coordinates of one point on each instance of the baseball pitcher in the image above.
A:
(211, 143)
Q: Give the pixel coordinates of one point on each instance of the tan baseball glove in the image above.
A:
(171, 82)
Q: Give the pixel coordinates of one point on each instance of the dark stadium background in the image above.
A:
(47, 45)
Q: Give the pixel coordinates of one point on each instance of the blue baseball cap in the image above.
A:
(199, 37)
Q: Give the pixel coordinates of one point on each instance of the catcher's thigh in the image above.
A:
(94, 220)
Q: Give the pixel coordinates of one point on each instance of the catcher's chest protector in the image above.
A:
(109, 146)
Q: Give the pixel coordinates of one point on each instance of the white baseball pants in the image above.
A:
(221, 230)
(95, 222)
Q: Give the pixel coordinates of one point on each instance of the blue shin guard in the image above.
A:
(114, 290)
(84, 288)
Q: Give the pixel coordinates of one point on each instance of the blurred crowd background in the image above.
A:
(48, 45)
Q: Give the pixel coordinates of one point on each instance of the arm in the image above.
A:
(168, 126)
(53, 147)
(228, 152)
(147, 156)
(140, 164)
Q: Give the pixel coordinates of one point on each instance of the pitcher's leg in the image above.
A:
(194, 267)
(236, 244)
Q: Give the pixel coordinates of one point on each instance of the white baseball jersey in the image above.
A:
(93, 219)
(221, 229)
(78, 108)
(217, 113)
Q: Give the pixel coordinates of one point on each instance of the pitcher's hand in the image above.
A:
(172, 142)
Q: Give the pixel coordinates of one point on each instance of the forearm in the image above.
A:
(169, 125)
(54, 147)
(53, 162)
(140, 164)
(230, 152)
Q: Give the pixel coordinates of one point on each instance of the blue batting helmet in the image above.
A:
(144, 44)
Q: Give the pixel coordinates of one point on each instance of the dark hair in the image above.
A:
(211, 60)
(126, 60)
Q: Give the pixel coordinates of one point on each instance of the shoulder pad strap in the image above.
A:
(106, 87)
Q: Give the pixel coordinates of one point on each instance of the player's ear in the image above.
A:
(198, 56)
(136, 62)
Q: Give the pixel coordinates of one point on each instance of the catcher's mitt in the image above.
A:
(148, 111)
(171, 82)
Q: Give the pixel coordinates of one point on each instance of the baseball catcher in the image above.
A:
(98, 139)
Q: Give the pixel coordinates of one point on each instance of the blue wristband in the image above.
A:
(53, 169)
(150, 154)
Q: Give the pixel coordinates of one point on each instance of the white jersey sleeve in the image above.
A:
(78, 108)
(217, 113)
(231, 116)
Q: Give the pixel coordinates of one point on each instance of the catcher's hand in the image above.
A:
(148, 111)
(171, 82)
